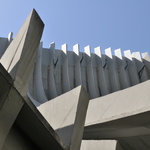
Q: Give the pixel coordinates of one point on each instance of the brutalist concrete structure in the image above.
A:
(71, 100)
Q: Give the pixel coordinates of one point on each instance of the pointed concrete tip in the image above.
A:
(34, 13)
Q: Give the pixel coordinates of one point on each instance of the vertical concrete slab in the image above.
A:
(66, 114)
(58, 71)
(71, 69)
(38, 88)
(142, 74)
(133, 75)
(93, 89)
(65, 72)
(113, 74)
(83, 70)
(19, 57)
(4, 43)
(122, 71)
(146, 61)
(102, 83)
(77, 69)
(52, 91)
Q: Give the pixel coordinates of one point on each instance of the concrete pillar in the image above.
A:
(52, 91)
(133, 75)
(102, 83)
(122, 71)
(39, 93)
(142, 74)
(113, 74)
(77, 69)
(65, 72)
(93, 89)
(19, 58)
(146, 61)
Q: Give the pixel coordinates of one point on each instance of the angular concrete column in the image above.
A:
(19, 57)
(102, 83)
(146, 61)
(77, 70)
(65, 72)
(92, 88)
(113, 74)
(18, 60)
(51, 80)
(38, 93)
(133, 75)
(140, 66)
(122, 71)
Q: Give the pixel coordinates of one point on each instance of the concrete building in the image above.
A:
(71, 100)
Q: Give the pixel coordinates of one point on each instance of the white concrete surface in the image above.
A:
(100, 144)
(66, 114)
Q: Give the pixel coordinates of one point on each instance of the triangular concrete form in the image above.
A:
(19, 57)
(66, 114)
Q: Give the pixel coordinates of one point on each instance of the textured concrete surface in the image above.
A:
(19, 57)
(100, 144)
(21, 123)
(66, 114)
(61, 80)
(22, 126)
(123, 116)
(124, 103)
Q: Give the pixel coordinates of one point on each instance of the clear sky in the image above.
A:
(121, 24)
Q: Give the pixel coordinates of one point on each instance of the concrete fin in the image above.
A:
(39, 93)
(133, 75)
(101, 78)
(122, 72)
(142, 73)
(52, 91)
(97, 51)
(77, 70)
(19, 57)
(92, 88)
(65, 71)
(112, 71)
(146, 61)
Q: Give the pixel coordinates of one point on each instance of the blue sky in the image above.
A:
(121, 24)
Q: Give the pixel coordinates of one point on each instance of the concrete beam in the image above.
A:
(114, 120)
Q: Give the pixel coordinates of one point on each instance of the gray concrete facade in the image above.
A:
(70, 100)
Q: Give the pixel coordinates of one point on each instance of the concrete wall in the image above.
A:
(58, 71)
(100, 74)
